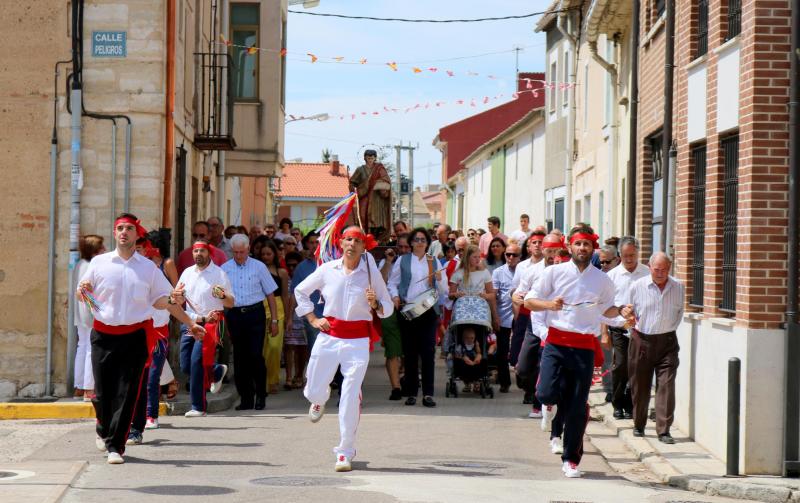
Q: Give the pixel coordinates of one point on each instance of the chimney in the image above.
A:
(334, 165)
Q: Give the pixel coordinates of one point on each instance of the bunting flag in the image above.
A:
(330, 232)
(252, 50)
(363, 61)
(313, 57)
(392, 65)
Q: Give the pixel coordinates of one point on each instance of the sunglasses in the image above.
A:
(606, 262)
(511, 255)
(419, 240)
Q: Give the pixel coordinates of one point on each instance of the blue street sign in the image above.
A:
(109, 44)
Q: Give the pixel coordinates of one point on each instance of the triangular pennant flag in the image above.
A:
(313, 58)
(449, 73)
(283, 52)
(528, 84)
(417, 70)
(252, 49)
(433, 69)
(363, 61)
(392, 65)
(338, 58)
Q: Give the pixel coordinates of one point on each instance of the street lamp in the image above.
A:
(315, 117)
(307, 4)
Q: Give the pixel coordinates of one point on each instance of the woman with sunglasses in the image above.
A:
(496, 256)
(413, 274)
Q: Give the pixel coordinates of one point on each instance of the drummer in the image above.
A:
(413, 275)
(471, 279)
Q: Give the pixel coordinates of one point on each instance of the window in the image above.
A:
(658, 180)
(244, 34)
(551, 93)
(558, 214)
(734, 18)
(698, 225)
(702, 28)
(730, 203)
(564, 80)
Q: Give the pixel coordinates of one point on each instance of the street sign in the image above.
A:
(109, 44)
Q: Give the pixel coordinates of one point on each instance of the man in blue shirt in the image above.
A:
(246, 320)
(304, 270)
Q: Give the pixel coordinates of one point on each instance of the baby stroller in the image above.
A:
(469, 311)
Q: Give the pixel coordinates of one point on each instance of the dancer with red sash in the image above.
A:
(123, 287)
(206, 290)
(354, 292)
(577, 295)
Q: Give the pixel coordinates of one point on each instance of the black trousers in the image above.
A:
(518, 329)
(501, 356)
(527, 367)
(247, 326)
(118, 368)
(621, 394)
(419, 344)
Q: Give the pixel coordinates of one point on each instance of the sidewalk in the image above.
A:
(686, 465)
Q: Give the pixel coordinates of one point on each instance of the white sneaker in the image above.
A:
(100, 444)
(216, 386)
(548, 413)
(194, 413)
(556, 445)
(535, 413)
(315, 413)
(115, 458)
(151, 424)
(343, 463)
(570, 470)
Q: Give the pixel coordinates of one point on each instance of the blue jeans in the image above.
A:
(154, 378)
(192, 366)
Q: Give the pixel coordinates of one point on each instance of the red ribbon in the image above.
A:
(210, 342)
(589, 237)
(140, 231)
(368, 239)
(205, 246)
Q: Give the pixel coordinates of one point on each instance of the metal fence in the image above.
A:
(730, 184)
(698, 225)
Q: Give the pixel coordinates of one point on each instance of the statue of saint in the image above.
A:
(372, 184)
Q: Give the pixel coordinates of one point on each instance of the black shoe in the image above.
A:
(618, 414)
(396, 394)
(504, 388)
(411, 400)
(608, 397)
(627, 415)
(427, 401)
(638, 433)
(244, 406)
(666, 439)
(527, 399)
(260, 403)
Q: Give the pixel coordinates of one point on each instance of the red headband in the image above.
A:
(140, 231)
(561, 259)
(205, 246)
(368, 239)
(560, 245)
(537, 234)
(149, 250)
(589, 237)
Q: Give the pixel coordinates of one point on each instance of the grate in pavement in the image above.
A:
(300, 481)
(480, 465)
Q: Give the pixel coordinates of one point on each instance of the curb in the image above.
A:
(53, 410)
(667, 473)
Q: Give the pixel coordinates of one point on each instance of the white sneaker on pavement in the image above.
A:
(115, 458)
(194, 413)
(535, 413)
(216, 386)
(570, 470)
(343, 463)
(556, 445)
(315, 413)
(151, 424)
(548, 413)
(100, 444)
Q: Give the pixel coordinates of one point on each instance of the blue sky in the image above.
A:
(341, 89)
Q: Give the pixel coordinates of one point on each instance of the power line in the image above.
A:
(406, 20)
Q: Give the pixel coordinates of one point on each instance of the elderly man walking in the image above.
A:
(251, 283)
(502, 278)
(658, 302)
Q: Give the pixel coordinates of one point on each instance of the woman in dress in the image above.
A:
(273, 345)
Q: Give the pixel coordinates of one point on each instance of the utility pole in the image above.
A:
(516, 64)
(398, 149)
(397, 203)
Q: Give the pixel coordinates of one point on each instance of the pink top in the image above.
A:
(486, 239)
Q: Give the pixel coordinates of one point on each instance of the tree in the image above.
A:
(326, 155)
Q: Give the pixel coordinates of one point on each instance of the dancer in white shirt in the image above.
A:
(353, 290)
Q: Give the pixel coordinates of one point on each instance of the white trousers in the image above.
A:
(84, 379)
(353, 356)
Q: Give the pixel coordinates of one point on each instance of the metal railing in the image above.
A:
(730, 184)
(734, 18)
(702, 28)
(698, 225)
(214, 128)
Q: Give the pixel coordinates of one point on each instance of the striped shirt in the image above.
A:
(657, 311)
(251, 281)
(623, 279)
(501, 280)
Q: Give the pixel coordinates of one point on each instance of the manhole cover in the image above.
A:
(469, 464)
(298, 481)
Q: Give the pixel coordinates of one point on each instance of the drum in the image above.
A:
(471, 310)
(420, 304)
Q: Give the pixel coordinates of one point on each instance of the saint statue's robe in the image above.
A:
(373, 187)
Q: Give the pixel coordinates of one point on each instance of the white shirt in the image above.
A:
(198, 285)
(592, 286)
(529, 278)
(521, 236)
(435, 249)
(125, 289)
(622, 279)
(83, 315)
(519, 273)
(419, 278)
(344, 294)
(501, 280)
(657, 311)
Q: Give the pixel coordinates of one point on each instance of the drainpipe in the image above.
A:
(792, 414)
(630, 182)
(666, 141)
(221, 197)
(113, 178)
(169, 140)
(669, 220)
(613, 153)
(570, 139)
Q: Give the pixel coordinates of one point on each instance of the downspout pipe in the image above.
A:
(666, 142)
(630, 182)
(221, 196)
(613, 74)
(169, 134)
(792, 413)
(570, 139)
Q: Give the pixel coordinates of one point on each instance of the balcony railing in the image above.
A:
(215, 120)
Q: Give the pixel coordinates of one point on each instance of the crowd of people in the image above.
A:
(548, 309)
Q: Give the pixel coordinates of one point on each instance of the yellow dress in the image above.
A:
(273, 345)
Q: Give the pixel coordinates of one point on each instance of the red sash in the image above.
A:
(150, 332)
(210, 342)
(344, 329)
(578, 341)
(524, 311)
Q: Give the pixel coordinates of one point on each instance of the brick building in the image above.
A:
(731, 90)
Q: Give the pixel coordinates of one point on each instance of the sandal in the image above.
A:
(172, 389)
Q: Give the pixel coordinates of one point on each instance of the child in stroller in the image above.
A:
(468, 354)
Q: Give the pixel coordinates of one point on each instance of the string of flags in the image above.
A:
(392, 65)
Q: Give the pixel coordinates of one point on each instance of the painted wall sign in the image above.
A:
(109, 44)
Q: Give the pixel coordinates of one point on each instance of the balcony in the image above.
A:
(215, 121)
